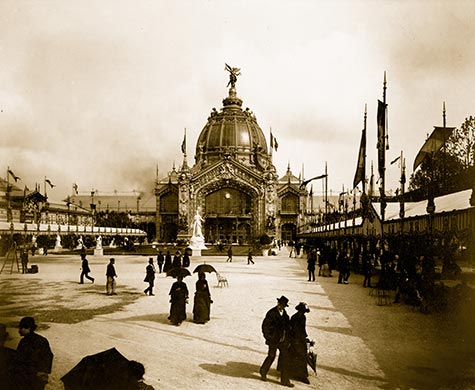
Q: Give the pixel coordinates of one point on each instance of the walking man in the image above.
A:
(249, 257)
(311, 261)
(111, 275)
(85, 270)
(24, 261)
(276, 329)
(230, 254)
(160, 260)
(149, 277)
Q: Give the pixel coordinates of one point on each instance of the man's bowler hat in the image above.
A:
(283, 301)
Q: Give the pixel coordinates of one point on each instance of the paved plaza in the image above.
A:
(360, 345)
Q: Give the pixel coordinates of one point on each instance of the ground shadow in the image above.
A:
(239, 370)
(353, 374)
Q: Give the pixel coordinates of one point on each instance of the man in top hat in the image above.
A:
(276, 329)
(34, 358)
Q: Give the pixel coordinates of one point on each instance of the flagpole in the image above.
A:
(364, 157)
(383, 156)
(271, 143)
(9, 213)
(326, 195)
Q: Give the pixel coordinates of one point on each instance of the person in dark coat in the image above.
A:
(168, 262)
(149, 277)
(7, 358)
(177, 260)
(111, 275)
(367, 268)
(85, 270)
(343, 267)
(202, 302)
(186, 260)
(178, 299)
(311, 261)
(298, 344)
(276, 328)
(33, 360)
(249, 257)
(160, 261)
(230, 254)
(24, 261)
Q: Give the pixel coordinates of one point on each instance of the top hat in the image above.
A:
(283, 300)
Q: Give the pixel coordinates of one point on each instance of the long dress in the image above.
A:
(168, 262)
(178, 297)
(298, 347)
(202, 302)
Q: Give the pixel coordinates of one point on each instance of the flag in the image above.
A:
(381, 135)
(49, 182)
(75, 187)
(395, 160)
(273, 142)
(433, 144)
(361, 165)
(16, 178)
(183, 144)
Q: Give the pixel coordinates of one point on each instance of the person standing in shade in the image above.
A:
(7, 357)
(298, 344)
(202, 302)
(186, 259)
(160, 260)
(24, 261)
(168, 262)
(177, 260)
(85, 270)
(33, 360)
(311, 261)
(111, 275)
(230, 254)
(249, 257)
(276, 328)
(178, 299)
(149, 277)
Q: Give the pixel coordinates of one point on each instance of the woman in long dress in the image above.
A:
(168, 262)
(202, 301)
(178, 299)
(298, 344)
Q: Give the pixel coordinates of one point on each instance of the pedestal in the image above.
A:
(195, 252)
(98, 252)
(57, 248)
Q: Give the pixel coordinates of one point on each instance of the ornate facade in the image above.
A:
(233, 183)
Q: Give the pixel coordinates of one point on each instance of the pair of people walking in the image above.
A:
(289, 336)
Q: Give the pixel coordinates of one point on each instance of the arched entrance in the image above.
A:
(288, 232)
(228, 216)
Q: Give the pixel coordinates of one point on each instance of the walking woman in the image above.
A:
(202, 301)
(298, 344)
(149, 277)
(178, 299)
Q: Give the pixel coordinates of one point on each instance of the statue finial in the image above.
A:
(233, 73)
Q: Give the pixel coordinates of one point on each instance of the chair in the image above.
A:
(222, 281)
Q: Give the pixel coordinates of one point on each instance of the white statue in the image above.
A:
(99, 242)
(80, 243)
(197, 232)
(58, 241)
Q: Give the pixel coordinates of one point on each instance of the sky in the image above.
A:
(98, 93)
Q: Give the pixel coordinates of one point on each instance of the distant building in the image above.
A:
(233, 183)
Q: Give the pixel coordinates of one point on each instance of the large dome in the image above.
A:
(232, 131)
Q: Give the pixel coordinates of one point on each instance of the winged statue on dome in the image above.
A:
(233, 74)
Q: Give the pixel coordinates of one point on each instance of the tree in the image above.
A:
(462, 143)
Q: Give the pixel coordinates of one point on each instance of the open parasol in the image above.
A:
(178, 272)
(204, 268)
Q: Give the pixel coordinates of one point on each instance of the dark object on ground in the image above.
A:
(33, 269)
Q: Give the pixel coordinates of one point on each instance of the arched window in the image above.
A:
(290, 204)
(228, 201)
(169, 203)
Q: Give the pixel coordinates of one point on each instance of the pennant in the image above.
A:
(395, 160)
(381, 134)
(433, 144)
(75, 187)
(183, 144)
(361, 166)
(16, 178)
(49, 182)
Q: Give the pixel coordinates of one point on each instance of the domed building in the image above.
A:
(233, 184)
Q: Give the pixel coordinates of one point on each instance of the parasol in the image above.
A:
(204, 268)
(178, 271)
(106, 370)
